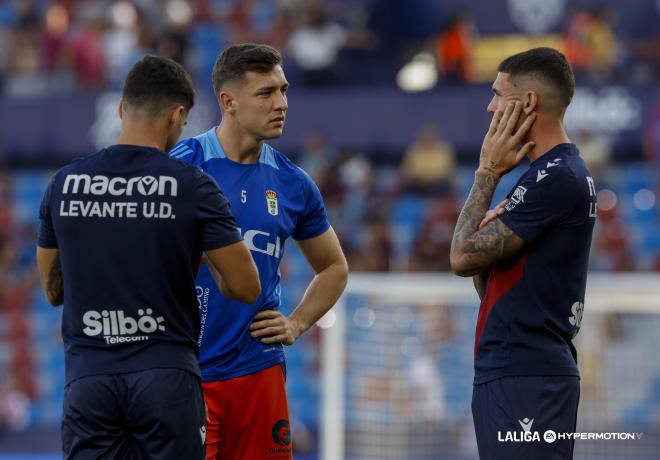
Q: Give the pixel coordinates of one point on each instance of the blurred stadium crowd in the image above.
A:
(70, 46)
(393, 212)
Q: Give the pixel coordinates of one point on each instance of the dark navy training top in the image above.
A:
(130, 224)
(272, 199)
(533, 303)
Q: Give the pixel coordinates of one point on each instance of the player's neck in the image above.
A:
(143, 134)
(237, 146)
(546, 134)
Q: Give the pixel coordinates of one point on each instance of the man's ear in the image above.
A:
(120, 109)
(227, 101)
(530, 102)
(177, 115)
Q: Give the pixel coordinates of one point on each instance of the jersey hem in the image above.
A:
(215, 377)
(130, 370)
(498, 374)
(159, 355)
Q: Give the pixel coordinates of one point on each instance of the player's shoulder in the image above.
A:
(189, 150)
(555, 169)
(284, 165)
(199, 149)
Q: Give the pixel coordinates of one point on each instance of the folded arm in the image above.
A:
(473, 250)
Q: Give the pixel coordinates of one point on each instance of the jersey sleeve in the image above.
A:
(314, 219)
(47, 237)
(536, 205)
(218, 225)
(189, 151)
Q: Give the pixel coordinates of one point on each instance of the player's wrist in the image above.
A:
(486, 171)
(297, 327)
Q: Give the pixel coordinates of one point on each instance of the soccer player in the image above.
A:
(529, 262)
(122, 232)
(242, 357)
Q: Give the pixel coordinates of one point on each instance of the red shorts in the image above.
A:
(248, 417)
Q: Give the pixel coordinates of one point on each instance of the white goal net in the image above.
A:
(398, 368)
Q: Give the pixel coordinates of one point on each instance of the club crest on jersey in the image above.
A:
(271, 202)
(517, 197)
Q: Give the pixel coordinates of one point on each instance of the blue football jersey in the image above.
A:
(272, 200)
(130, 225)
(534, 301)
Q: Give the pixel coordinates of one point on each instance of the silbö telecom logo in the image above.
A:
(550, 436)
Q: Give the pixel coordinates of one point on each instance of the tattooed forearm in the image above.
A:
(55, 289)
(473, 250)
(474, 209)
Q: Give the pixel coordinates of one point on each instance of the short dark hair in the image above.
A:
(547, 65)
(156, 83)
(236, 60)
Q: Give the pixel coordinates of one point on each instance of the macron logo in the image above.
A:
(120, 186)
(526, 424)
(541, 174)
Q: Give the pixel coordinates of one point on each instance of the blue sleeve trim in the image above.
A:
(267, 157)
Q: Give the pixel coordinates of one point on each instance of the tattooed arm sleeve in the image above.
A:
(474, 250)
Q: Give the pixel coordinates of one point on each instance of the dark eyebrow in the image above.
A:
(270, 89)
(266, 89)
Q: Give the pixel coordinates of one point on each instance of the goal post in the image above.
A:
(396, 371)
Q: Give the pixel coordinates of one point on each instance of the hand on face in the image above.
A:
(499, 153)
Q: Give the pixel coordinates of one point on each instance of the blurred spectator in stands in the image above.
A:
(14, 406)
(120, 41)
(431, 250)
(576, 42)
(316, 156)
(55, 55)
(646, 66)
(239, 21)
(315, 45)
(173, 44)
(603, 46)
(331, 187)
(596, 152)
(591, 45)
(87, 46)
(355, 170)
(356, 175)
(453, 49)
(373, 249)
(23, 57)
(429, 163)
(281, 27)
(611, 245)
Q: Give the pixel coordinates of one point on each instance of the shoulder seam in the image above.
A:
(181, 151)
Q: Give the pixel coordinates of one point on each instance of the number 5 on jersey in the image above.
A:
(243, 196)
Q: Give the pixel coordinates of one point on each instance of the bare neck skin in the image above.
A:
(143, 132)
(238, 145)
(546, 133)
